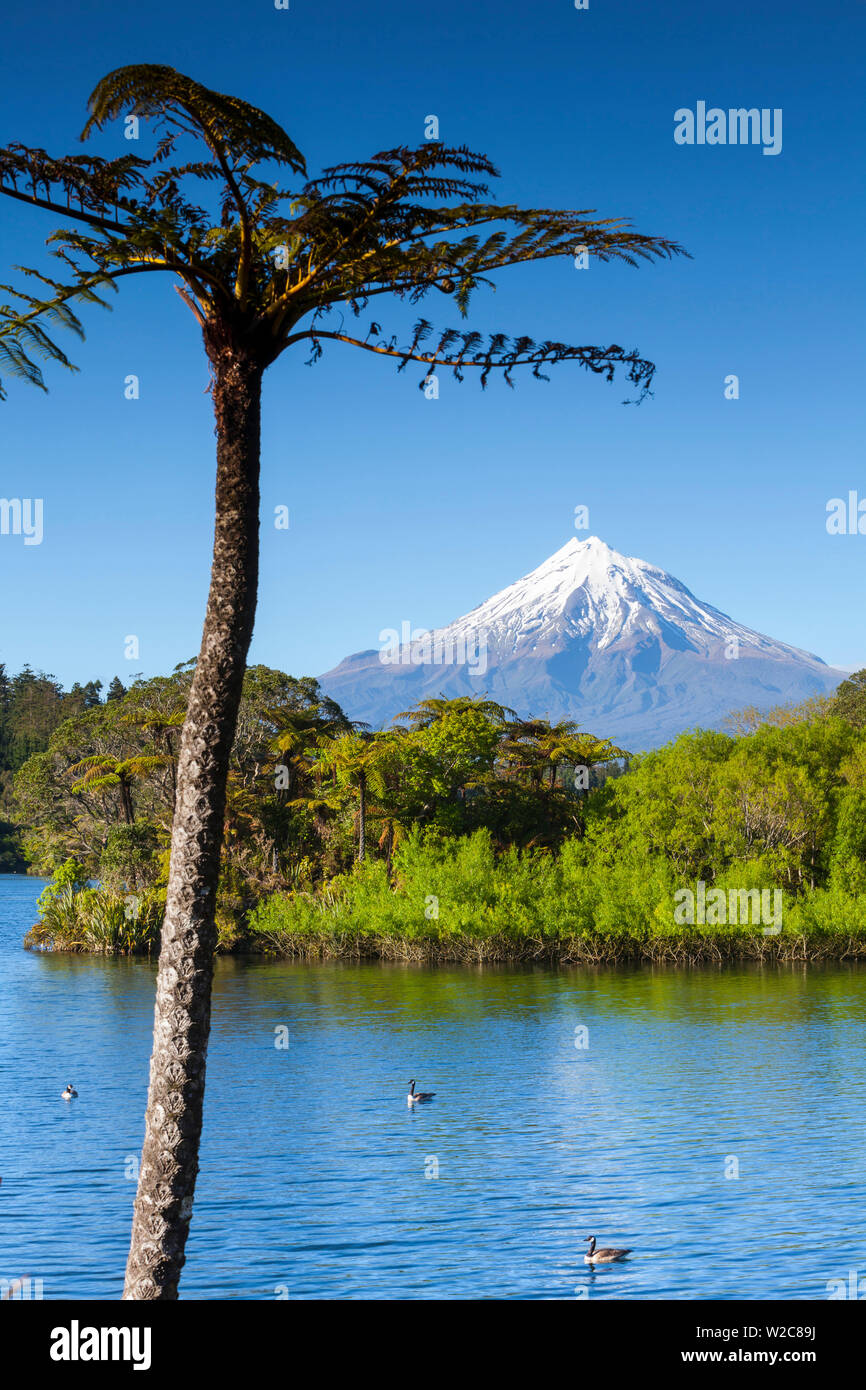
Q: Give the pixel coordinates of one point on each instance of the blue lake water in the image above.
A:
(314, 1179)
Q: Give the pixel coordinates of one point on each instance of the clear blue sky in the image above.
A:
(408, 509)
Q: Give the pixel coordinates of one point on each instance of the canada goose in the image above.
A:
(69, 1092)
(412, 1098)
(602, 1257)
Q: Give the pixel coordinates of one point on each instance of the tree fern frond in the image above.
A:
(228, 124)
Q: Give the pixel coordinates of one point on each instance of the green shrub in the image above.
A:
(455, 899)
(76, 917)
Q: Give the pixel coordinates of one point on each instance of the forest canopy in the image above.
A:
(315, 800)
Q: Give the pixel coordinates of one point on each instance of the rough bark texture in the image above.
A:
(169, 1160)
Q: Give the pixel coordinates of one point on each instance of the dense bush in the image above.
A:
(463, 831)
(73, 916)
(456, 899)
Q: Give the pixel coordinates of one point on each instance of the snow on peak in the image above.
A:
(606, 639)
(589, 591)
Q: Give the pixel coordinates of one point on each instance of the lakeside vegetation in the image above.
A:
(533, 907)
(462, 833)
(32, 705)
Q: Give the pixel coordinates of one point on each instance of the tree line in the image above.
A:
(777, 806)
(309, 793)
(32, 706)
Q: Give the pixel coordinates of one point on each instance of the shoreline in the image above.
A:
(680, 949)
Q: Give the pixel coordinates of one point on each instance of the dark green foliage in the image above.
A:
(783, 806)
(130, 858)
(102, 788)
(32, 706)
(849, 701)
(12, 860)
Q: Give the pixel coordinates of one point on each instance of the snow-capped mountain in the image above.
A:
(612, 642)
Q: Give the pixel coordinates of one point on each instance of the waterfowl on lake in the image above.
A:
(412, 1098)
(602, 1257)
(69, 1092)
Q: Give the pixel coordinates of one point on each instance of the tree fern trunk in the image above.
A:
(126, 801)
(169, 1160)
(389, 855)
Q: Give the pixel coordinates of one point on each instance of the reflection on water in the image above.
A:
(313, 1180)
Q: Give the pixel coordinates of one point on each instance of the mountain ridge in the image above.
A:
(612, 641)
